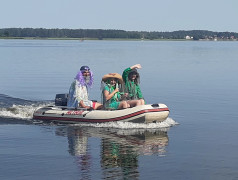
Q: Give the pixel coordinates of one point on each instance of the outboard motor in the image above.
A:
(61, 99)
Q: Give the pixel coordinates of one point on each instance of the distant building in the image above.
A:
(188, 37)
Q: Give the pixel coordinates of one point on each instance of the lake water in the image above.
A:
(197, 80)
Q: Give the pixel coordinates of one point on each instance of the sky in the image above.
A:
(129, 15)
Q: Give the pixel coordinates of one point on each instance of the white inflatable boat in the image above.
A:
(61, 113)
(141, 114)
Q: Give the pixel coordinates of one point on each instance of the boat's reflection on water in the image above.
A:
(119, 151)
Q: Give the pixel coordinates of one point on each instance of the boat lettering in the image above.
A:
(75, 112)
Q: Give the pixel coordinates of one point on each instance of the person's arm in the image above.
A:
(136, 66)
(125, 74)
(109, 95)
(78, 92)
(128, 70)
(139, 93)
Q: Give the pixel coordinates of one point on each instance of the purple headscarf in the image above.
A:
(80, 77)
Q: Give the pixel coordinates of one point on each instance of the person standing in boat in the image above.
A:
(78, 92)
(132, 80)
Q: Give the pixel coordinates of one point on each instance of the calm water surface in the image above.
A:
(196, 80)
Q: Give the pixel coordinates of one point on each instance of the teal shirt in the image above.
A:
(132, 88)
(114, 102)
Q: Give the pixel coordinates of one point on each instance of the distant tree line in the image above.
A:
(115, 34)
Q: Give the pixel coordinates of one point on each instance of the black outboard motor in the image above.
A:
(61, 99)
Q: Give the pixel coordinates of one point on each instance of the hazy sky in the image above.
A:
(138, 15)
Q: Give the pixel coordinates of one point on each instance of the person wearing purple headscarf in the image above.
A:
(78, 92)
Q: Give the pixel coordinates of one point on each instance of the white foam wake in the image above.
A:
(129, 125)
(20, 111)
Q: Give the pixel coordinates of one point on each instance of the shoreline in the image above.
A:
(111, 39)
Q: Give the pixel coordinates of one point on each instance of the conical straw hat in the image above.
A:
(112, 75)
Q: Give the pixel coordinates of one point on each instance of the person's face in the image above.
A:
(133, 76)
(86, 73)
(113, 81)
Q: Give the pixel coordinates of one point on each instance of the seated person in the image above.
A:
(112, 98)
(78, 92)
(131, 79)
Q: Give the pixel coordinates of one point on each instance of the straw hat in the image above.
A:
(112, 75)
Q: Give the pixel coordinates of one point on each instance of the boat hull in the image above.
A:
(140, 114)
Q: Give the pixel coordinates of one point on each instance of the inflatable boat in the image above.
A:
(149, 113)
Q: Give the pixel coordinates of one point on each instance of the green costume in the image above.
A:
(131, 87)
(114, 102)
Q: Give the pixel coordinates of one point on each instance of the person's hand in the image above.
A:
(137, 66)
(116, 90)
